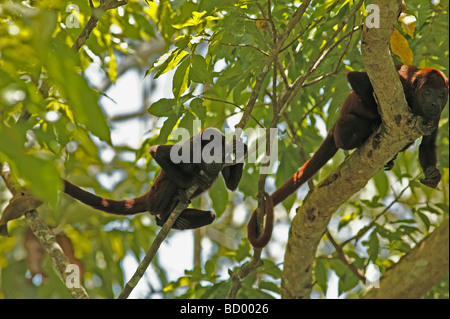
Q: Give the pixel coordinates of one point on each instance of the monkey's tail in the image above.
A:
(325, 152)
(118, 207)
(261, 240)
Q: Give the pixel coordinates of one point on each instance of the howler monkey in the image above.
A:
(426, 91)
(180, 169)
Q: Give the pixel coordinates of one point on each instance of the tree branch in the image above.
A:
(140, 271)
(104, 6)
(47, 239)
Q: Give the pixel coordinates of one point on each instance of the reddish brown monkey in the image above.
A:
(174, 178)
(426, 91)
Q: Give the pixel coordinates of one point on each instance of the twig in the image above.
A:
(272, 57)
(320, 78)
(131, 284)
(235, 105)
(244, 46)
(104, 6)
(366, 228)
(140, 271)
(292, 91)
(344, 258)
(244, 271)
(47, 239)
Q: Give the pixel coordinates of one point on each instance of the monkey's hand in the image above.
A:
(432, 177)
(203, 181)
(426, 127)
(389, 165)
(181, 196)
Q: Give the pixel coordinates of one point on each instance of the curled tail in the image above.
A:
(260, 240)
(325, 152)
(118, 207)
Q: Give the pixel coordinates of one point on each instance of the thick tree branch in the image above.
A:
(394, 134)
(418, 271)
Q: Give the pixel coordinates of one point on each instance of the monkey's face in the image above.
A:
(430, 96)
(433, 101)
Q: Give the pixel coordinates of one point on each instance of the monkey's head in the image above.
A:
(429, 92)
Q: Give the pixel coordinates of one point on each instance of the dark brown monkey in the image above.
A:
(203, 152)
(426, 91)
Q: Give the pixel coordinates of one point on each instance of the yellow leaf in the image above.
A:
(117, 246)
(408, 23)
(111, 66)
(262, 23)
(400, 47)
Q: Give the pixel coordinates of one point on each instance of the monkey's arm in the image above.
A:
(428, 160)
(232, 175)
(183, 174)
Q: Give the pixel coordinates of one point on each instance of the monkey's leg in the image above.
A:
(351, 131)
(189, 219)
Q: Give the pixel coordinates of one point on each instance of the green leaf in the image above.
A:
(219, 196)
(321, 273)
(243, 250)
(271, 269)
(267, 285)
(430, 209)
(373, 245)
(373, 203)
(39, 170)
(182, 41)
(187, 122)
(425, 220)
(73, 87)
(347, 281)
(198, 108)
(162, 108)
(181, 79)
(168, 61)
(167, 128)
(199, 71)
(381, 183)
(196, 19)
(112, 66)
